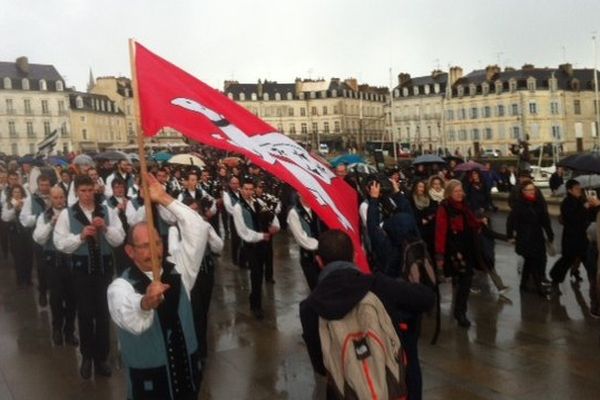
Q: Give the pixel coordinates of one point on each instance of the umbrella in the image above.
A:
(186, 159)
(162, 156)
(469, 166)
(362, 168)
(585, 162)
(586, 181)
(427, 159)
(83, 159)
(347, 159)
(29, 160)
(55, 160)
(112, 156)
(232, 161)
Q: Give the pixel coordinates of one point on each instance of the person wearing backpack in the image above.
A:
(335, 313)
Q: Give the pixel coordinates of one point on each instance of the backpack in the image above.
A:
(363, 354)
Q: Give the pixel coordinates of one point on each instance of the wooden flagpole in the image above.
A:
(143, 165)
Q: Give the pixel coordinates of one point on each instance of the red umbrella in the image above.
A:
(469, 166)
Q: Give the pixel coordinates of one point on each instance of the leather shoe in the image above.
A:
(86, 368)
(71, 339)
(463, 321)
(57, 337)
(102, 368)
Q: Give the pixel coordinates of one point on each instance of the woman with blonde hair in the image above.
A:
(455, 233)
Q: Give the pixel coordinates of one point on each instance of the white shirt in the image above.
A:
(42, 230)
(108, 187)
(72, 195)
(124, 303)
(246, 234)
(26, 217)
(295, 226)
(164, 213)
(130, 211)
(362, 211)
(227, 202)
(67, 242)
(8, 214)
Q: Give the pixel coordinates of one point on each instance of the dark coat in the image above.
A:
(527, 223)
(340, 291)
(575, 219)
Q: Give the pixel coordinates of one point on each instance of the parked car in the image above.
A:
(323, 149)
(491, 153)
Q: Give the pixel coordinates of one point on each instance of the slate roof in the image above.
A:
(88, 103)
(35, 73)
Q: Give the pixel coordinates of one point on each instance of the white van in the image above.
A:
(323, 148)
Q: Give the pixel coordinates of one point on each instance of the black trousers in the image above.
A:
(462, 287)
(269, 260)
(254, 254)
(224, 217)
(591, 267)
(534, 268)
(92, 313)
(42, 268)
(4, 239)
(21, 243)
(200, 298)
(235, 244)
(562, 266)
(311, 271)
(62, 292)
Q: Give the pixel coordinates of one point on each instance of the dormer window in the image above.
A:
(436, 88)
(531, 84)
(59, 86)
(426, 89)
(78, 102)
(7, 83)
(512, 85)
(416, 90)
(405, 92)
(575, 85)
(266, 96)
(472, 89)
(253, 96)
(289, 96)
(460, 90)
(553, 84)
(230, 96)
(25, 84)
(277, 96)
(324, 94)
(334, 93)
(43, 85)
(313, 95)
(485, 88)
(498, 87)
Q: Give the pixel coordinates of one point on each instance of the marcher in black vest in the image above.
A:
(211, 188)
(120, 203)
(62, 291)
(20, 237)
(12, 179)
(270, 206)
(154, 318)
(3, 225)
(34, 206)
(65, 181)
(88, 231)
(254, 242)
(230, 198)
(306, 226)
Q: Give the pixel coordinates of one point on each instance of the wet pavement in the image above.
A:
(521, 348)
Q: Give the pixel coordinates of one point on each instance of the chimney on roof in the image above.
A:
(491, 71)
(527, 67)
(259, 89)
(436, 72)
(353, 83)
(403, 78)
(509, 69)
(226, 84)
(566, 68)
(23, 65)
(455, 74)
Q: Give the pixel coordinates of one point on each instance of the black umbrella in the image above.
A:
(428, 159)
(585, 162)
(459, 160)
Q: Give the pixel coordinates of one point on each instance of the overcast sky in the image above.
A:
(283, 39)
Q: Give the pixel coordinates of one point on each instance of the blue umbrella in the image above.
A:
(29, 160)
(162, 156)
(347, 159)
(55, 160)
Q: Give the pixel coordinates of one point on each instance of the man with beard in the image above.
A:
(122, 171)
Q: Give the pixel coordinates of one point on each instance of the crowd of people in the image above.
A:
(84, 228)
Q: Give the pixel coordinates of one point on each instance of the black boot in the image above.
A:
(463, 321)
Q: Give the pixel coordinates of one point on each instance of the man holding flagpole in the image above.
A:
(154, 317)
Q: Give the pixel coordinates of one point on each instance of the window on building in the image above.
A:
(280, 111)
(554, 107)
(532, 108)
(416, 90)
(290, 111)
(84, 134)
(475, 134)
(27, 105)
(324, 110)
(426, 89)
(501, 132)
(242, 96)
(313, 111)
(78, 102)
(277, 96)
(462, 114)
(336, 126)
(488, 134)
(29, 125)
(302, 112)
(451, 135)
(577, 107)
(487, 112)
(289, 96)
(485, 88)
(45, 109)
(303, 128)
(556, 132)
(325, 127)
(46, 128)
(61, 106)
(498, 87)
(336, 109)
(14, 149)
(460, 90)
(313, 95)
(516, 132)
(514, 109)
(266, 96)
(450, 115)
(292, 129)
(12, 130)
(500, 110)
(63, 130)
(25, 84)
(472, 90)
(43, 85)
(553, 83)
(7, 83)
(253, 97)
(474, 113)
(59, 86)
(462, 135)
(9, 106)
(512, 85)
(405, 92)
(531, 84)
(315, 127)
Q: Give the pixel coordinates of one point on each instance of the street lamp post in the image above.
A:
(597, 105)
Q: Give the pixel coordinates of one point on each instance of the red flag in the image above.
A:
(170, 97)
